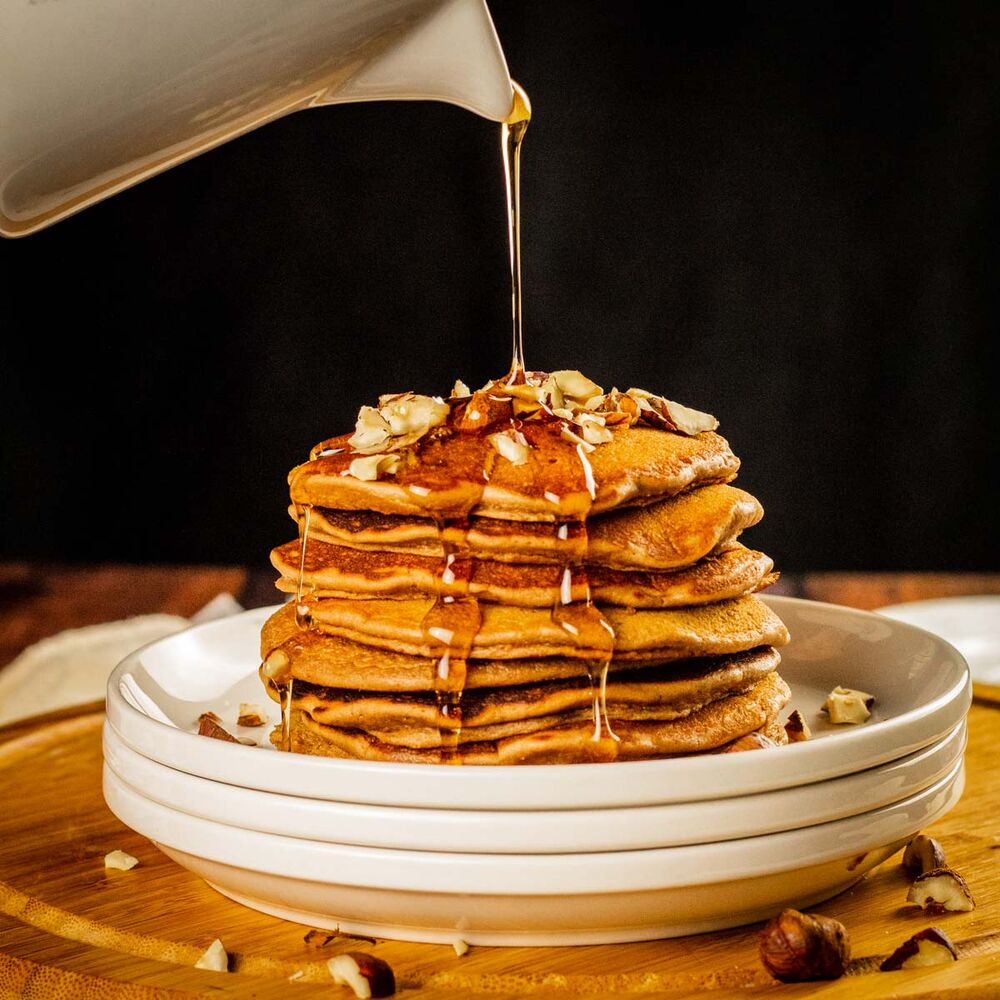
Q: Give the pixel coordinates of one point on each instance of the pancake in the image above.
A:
(340, 572)
(706, 729)
(512, 633)
(664, 535)
(290, 652)
(653, 693)
(453, 474)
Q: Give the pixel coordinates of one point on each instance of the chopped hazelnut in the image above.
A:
(671, 416)
(801, 947)
(215, 958)
(461, 947)
(371, 432)
(923, 854)
(796, 728)
(373, 467)
(510, 445)
(120, 861)
(941, 889)
(460, 390)
(844, 705)
(576, 386)
(366, 975)
(481, 410)
(208, 725)
(568, 435)
(250, 715)
(930, 946)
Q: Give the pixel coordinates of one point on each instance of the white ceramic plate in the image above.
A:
(537, 831)
(921, 684)
(970, 624)
(532, 899)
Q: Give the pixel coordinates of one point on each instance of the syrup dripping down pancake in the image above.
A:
(511, 633)
(703, 730)
(664, 535)
(650, 693)
(339, 572)
(288, 651)
(444, 477)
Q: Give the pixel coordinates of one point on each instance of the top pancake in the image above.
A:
(455, 474)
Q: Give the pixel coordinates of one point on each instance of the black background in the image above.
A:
(784, 214)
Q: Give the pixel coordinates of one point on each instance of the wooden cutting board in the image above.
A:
(71, 930)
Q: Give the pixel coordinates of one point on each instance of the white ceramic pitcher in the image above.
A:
(96, 95)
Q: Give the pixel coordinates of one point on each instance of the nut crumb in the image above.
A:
(208, 725)
(847, 706)
(296, 976)
(923, 854)
(251, 714)
(930, 946)
(366, 975)
(120, 861)
(461, 947)
(214, 959)
(796, 728)
(940, 890)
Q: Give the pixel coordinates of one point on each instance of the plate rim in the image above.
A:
(732, 766)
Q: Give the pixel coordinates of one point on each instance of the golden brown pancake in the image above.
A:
(708, 728)
(330, 661)
(664, 535)
(655, 693)
(514, 633)
(340, 572)
(455, 474)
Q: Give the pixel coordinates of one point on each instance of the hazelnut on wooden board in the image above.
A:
(120, 861)
(366, 975)
(215, 958)
(930, 946)
(940, 890)
(923, 854)
(801, 947)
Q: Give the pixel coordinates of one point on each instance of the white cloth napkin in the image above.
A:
(72, 667)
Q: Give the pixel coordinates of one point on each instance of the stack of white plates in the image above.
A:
(551, 854)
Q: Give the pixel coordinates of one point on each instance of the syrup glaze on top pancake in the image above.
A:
(639, 465)
(533, 496)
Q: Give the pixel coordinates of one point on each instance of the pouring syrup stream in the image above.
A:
(511, 136)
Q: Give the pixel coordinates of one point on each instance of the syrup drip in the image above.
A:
(302, 609)
(281, 683)
(285, 700)
(581, 619)
(451, 626)
(511, 136)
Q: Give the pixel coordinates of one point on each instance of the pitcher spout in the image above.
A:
(454, 55)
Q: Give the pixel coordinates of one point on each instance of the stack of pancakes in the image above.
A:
(505, 588)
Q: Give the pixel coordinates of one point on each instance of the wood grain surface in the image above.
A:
(71, 929)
